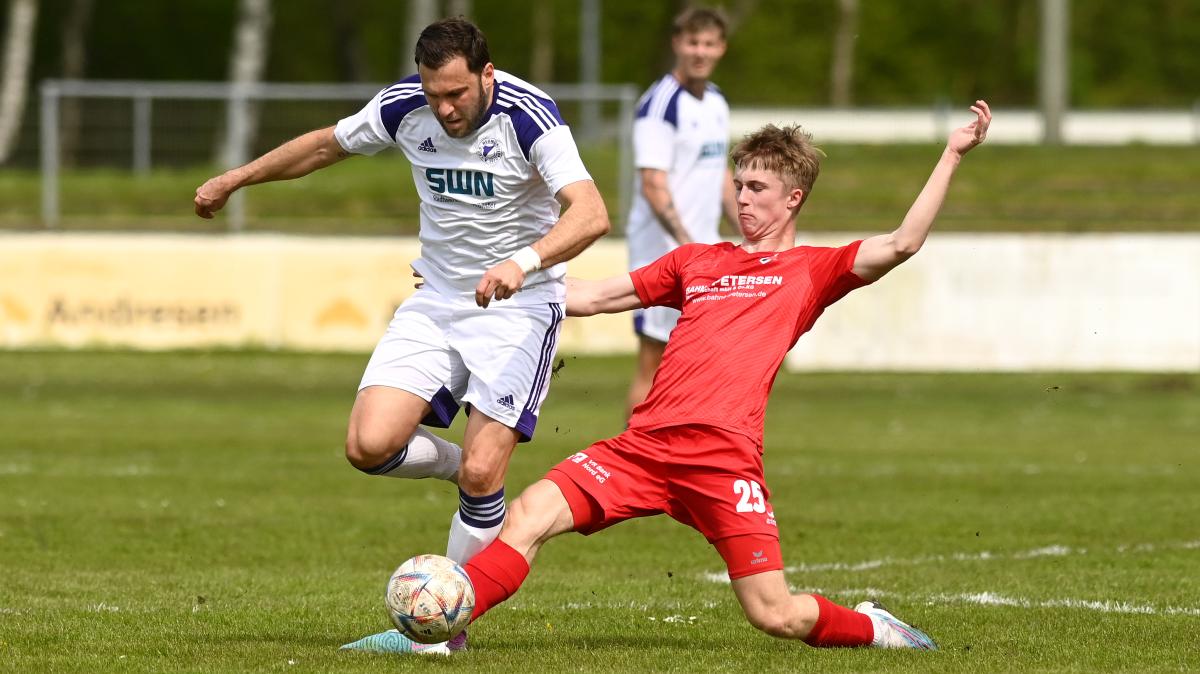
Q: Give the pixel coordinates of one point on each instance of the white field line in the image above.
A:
(991, 598)
(1047, 551)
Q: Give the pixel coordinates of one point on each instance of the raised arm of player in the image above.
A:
(657, 192)
(584, 219)
(608, 296)
(880, 254)
(295, 158)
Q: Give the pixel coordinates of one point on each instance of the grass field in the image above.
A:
(193, 512)
(861, 189)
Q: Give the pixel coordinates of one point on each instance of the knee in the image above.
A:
(770, 620)
(367, 449)
(478, 475)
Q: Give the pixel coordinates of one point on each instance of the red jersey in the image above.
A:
(742, 312)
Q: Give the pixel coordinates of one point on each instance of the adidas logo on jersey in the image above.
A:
(427, 145)
(506, 401)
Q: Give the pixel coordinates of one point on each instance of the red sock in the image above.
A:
(496, 573)
(839, 626)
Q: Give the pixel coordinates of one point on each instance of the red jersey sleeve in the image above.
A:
(832, 271)
(660, 283)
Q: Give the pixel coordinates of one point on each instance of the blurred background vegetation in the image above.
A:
(1123, 54)
(922, 53)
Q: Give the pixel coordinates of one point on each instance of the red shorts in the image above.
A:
(705, 477)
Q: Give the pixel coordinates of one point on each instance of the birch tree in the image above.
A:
(18, 52)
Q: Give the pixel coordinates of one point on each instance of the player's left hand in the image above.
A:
(967, 137)
(500, 282)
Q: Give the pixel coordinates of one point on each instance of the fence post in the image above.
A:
(49, 153)
(141, 133)
(624, 148)
(237, 120)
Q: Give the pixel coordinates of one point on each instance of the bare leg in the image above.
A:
(487, 447)
(772, 608)
(650, 353)
(381, 423)
(539, 514)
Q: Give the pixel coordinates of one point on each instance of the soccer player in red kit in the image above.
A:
(693, 449)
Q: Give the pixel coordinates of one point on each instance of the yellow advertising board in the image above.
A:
(182, 291)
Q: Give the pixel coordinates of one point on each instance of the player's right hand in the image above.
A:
(211, 197)
(500, 282)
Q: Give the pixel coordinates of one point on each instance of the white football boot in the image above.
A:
(892, 632)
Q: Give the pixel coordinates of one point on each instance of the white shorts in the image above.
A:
(450, 352)
(655, 322)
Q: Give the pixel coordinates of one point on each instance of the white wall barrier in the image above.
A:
(966, 302)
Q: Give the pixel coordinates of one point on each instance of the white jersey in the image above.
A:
(686, 137)
(484, 196)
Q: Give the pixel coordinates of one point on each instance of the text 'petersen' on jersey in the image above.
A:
(483, 196)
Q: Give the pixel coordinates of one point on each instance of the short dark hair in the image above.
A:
(696, 19)
(443, 40)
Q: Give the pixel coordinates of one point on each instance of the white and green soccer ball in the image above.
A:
(430, 599)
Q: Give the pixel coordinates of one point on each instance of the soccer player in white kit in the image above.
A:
(493, 163)
(683, 180)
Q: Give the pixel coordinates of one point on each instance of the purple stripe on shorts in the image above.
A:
(444, 409)
(528, 419)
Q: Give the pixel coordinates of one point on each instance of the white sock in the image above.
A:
(475, 525)
(425, 455)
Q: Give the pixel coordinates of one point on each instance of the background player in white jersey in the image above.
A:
(683, 180)
(493, 162)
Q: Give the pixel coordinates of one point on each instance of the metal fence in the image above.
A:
(239, 102)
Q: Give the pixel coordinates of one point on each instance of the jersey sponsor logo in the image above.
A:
(457, 181)
(427, 145)
(488, 149)
(712, 149)
(733, 284)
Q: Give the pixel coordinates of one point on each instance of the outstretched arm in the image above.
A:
(295, 158)
(880, 254)
(609, 296)
(584, 219)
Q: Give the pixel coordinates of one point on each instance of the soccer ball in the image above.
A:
(430, 599)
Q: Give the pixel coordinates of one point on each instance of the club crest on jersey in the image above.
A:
(488, 149)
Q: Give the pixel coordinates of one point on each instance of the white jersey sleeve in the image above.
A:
(374, 127)
(557, 159)
(653, 144)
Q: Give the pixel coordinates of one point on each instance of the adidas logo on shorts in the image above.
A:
(427, 145)
(506, 401)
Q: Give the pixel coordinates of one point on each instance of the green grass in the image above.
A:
(861, 189)
(192, 512)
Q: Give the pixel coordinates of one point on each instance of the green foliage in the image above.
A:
(1123, 54)
(192, 512)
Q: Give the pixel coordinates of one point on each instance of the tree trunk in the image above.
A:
(841, 74)
(246, 66)
(421, 13)
(74, 67)
(351, 52)
(18, 51)
(459, 8)
(541, 59)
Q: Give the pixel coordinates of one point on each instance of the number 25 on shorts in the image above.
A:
(750, 496)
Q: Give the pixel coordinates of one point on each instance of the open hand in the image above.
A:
(967, 137)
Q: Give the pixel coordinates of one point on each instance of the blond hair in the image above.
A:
(787, 152)
(698, 19)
